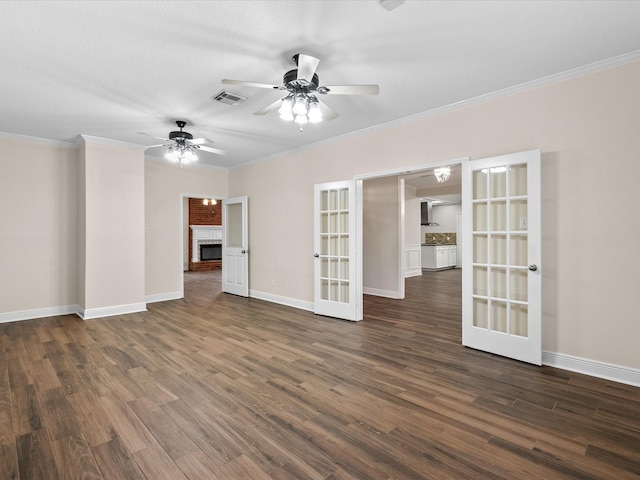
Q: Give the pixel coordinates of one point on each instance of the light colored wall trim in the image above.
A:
(163, 297)
(92, 313)
(413, 273)
(594, 368)
(46, 141)
(38, 313)
(541, 82)
(289, 302)
(413, 262)
(381, 293)
(106, 141)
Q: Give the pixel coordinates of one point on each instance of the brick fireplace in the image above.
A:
(205, 235)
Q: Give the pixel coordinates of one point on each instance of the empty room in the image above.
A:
(358, 239)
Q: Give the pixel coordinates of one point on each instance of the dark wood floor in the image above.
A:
(221, 387)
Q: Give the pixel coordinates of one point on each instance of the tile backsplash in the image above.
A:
(440, 238)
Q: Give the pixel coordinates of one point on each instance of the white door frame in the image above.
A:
(397, 172)
(235, 258)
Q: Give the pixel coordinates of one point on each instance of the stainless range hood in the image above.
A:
(426, 214)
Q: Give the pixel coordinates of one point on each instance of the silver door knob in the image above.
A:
(533, 267)
(316, 255)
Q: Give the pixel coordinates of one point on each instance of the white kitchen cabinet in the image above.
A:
(453, 255)
(437, 257)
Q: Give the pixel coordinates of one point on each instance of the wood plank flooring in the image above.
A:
(221, 387)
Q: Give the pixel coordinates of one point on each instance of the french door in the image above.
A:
(337, 289)
(235, 246)
(501, 286)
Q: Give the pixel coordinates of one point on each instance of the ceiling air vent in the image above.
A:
(229, 98)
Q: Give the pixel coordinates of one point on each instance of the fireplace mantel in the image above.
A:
(203, 234)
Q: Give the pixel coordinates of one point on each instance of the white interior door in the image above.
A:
(501, 280)
(337, 289)
(235, 246)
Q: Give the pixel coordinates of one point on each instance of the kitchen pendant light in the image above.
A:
(442, 174)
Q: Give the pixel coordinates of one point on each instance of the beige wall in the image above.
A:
(38, 224)
(164, 187)
(94, 227)
(114, 260)
(380, 236)
(587, 131)
(412, 216)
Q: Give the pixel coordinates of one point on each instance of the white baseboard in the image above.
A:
(412, 273)
(163, 297)
(380, 293)
(607, 371)
(92, 313)
(38, 313)
(289, 302)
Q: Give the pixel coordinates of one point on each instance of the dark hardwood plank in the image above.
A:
(8, 462)
(115, 461)
(35, 456)
(74, 459)
(225, 387)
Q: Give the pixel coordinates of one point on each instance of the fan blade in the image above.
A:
(200, 141)
(307, 67)
(327, 112)
(159, 145)
(153, 136)
(249, 84)
(212, 150)
(269, 108)
(350, 89)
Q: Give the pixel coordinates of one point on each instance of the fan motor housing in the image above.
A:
(180, 135)
(291, 78)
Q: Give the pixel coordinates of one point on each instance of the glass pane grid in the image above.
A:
(334, 245)
(499, 250)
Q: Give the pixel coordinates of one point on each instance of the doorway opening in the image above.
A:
(201, 233)
(393, 234)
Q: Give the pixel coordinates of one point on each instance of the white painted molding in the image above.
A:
(106, 141)
(45, 141)
(92, 313)
(163, 297)
(289, 302)
(38, 313)
(412, 260)
(523, 87)
(381, 293)
(412, 273)
(594, 368)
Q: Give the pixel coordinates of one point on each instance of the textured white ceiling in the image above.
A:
(113, 68)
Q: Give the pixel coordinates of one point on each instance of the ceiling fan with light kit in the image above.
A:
(182, 147)
(301, 104)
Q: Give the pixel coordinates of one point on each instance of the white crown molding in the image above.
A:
(594, 368)
(44, 141)
(522, 87)
(82, 138)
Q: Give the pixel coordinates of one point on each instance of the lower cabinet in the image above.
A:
(436, 257)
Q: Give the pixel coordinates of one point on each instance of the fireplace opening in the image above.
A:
(210, 252)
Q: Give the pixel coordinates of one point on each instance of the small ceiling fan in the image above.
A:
(181, 146)
(302, 84)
